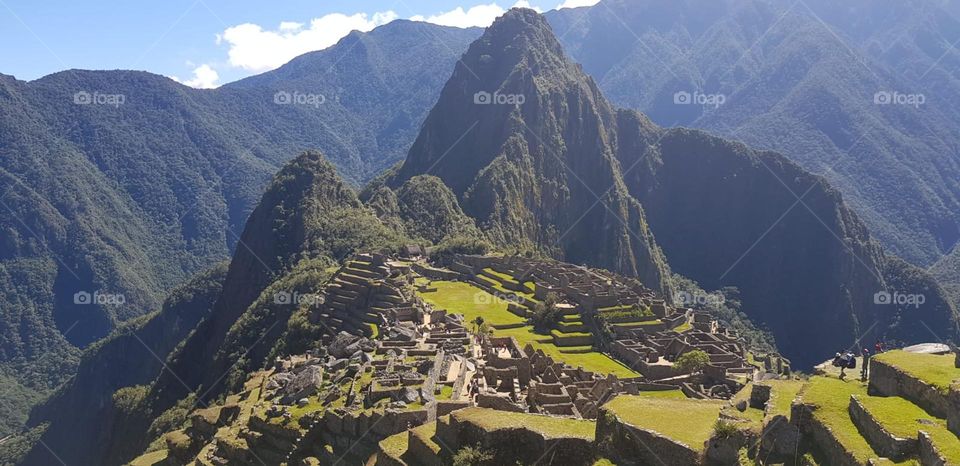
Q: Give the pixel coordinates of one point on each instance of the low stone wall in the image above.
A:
(821, 436)
(572, 340)
(520, 445)
(929, 455)
(779, 440)
(627, 444)
(884, 442)
(887, 380)
(445, 407)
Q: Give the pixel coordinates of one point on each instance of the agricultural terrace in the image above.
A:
(473, 302)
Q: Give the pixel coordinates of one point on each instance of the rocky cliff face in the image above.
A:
(528, 144)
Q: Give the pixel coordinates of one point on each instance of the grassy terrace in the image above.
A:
(550, 427)
(936, 370)
(831, 399)
(472, 302)
(466, 299)
(904, 419)
(395, 445)
(499, 287)
(686, 421)
(782, 394)
(752, 416)
(592, 361)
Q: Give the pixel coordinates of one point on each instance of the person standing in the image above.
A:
(866, 363)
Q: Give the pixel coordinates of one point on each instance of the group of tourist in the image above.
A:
(848, 360)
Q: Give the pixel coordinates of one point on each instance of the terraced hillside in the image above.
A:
(507, 318)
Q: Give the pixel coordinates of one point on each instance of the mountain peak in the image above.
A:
(526, 141)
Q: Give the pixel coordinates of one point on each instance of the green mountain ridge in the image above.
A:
(801, 79)
(133, 199)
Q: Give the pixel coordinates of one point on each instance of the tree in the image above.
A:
(693, 361)
(546, 314)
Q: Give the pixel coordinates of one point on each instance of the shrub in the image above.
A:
(723, 429)
(472, 456)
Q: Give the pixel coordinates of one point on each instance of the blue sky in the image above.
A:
(205, 43)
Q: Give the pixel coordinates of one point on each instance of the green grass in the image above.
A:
(548, 426)
(683, 327)
(902, 418)
(446, 392)
(150, 459)
(639, 324)
(686, 421)
(460, 297)
(669, 394)
(937, 370)
(558, 334)
(472, 302)
(395, 445)
(505, 277)
(752, 416)
(782, 394)
(374, 330)
(595, 362)
(831, 399)
(425, 433)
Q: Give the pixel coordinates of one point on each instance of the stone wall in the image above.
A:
(822, 437)
(887, 380)
(884, 442)
(518, 444)
(929, 456)
(627, 444)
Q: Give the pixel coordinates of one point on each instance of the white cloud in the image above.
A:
(476, 16)
(253, 48)
(204, 77)
(577, 3)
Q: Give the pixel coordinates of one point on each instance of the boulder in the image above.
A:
(305, 384)
(340, 347)
(410, 395)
